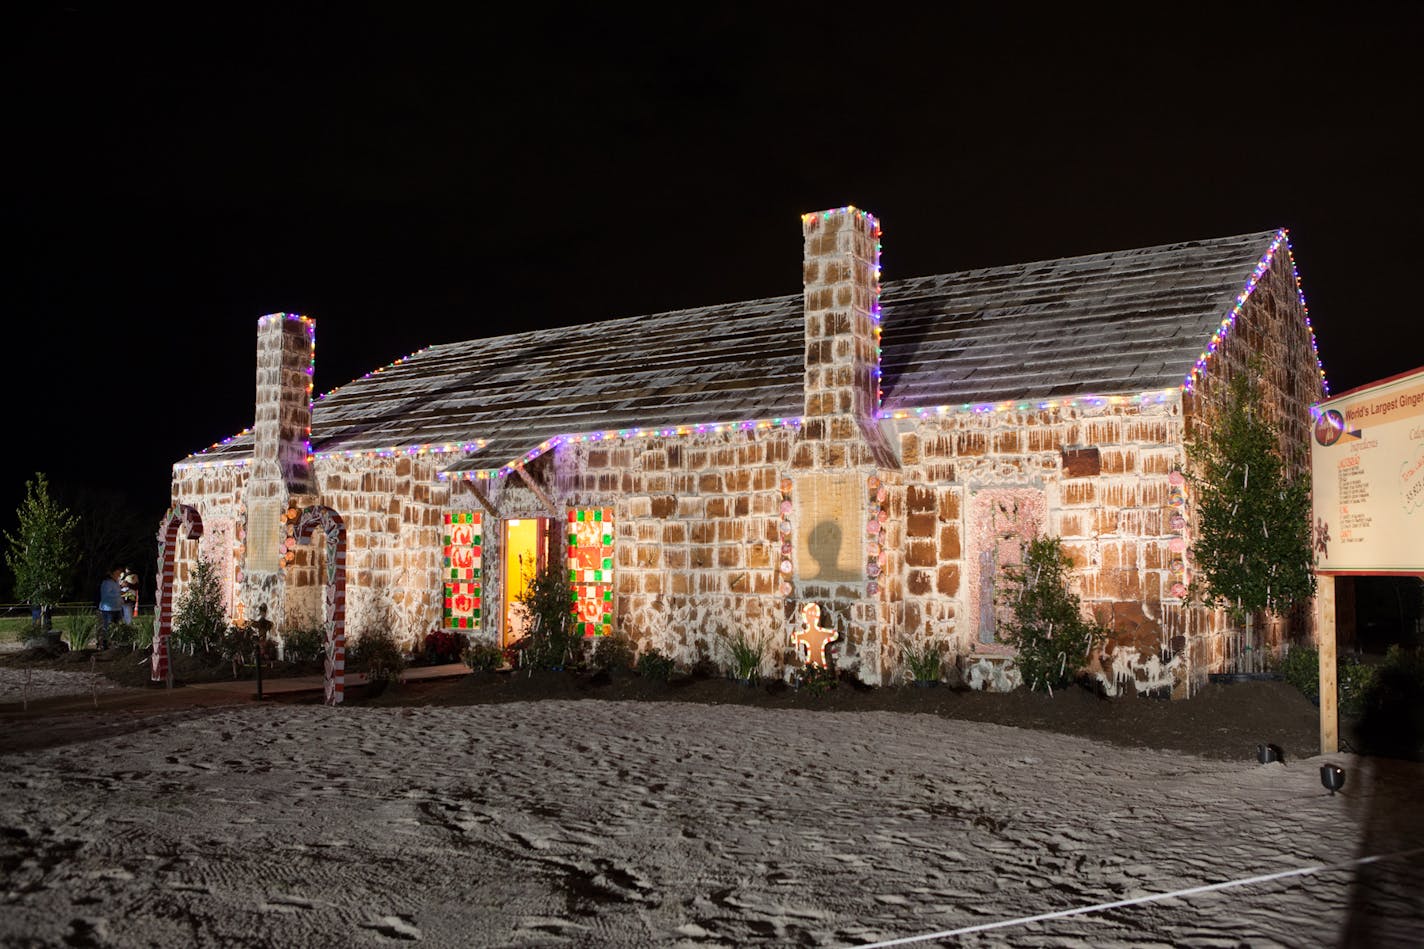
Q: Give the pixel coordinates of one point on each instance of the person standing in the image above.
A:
(111, 605)
(128, 592)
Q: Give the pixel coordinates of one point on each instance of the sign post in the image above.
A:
(1367, 492)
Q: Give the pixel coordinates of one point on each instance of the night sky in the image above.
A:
(422, 178)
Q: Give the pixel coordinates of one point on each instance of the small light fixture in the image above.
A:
(1269, 753)
(1333, 777)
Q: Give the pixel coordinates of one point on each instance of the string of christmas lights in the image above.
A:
(1282, 237)
(984, 408)
(708, 428)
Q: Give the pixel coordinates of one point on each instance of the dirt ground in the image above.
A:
(1222, 721)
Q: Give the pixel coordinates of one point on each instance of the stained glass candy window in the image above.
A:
(461, 569)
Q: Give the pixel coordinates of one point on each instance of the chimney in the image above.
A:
(841, 276)
(281, 429)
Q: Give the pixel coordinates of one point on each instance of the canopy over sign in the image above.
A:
(1367, 476)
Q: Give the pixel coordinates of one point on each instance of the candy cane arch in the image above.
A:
(182, 517)
(334, 530)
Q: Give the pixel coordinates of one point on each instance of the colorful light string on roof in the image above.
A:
(668, 431)
(428, 448)
(385, 452)
(1263, 266)
(1156, 396)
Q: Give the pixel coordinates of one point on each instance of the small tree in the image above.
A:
(1046, 625)
(42, 555)
(553, 639)
(201, 616)
(1252, 549)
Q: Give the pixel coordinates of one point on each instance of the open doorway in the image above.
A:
(526, 552)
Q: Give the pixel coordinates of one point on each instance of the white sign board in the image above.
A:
(1367, 478)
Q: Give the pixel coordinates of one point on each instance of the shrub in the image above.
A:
(122, 634)
(142, 632)
(79, 629)
(483, 657)
(201, 618)
(444, 645)
(652, 664)
(923, 661)
(816, 680)
(304, 645)
(1354, 681)
(379, 655)
(238, 645)
(1046, 627)
(1301, 668)
(552, 641)
(747, 656)
(613, 653)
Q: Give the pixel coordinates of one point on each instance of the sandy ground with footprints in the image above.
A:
(625, 824)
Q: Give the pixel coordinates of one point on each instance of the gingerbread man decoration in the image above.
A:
(812, 642)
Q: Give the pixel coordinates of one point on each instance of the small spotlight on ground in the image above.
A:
(1333, 777)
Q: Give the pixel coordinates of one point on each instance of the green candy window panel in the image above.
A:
(591, 569)
(463, 549)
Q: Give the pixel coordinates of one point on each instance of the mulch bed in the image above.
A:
(1223, 721)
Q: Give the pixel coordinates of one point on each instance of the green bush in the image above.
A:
(552, 640)
(1301, 668)
(1354, 681)
(483, 657)
(923, 661)
(379, 655)
(614, 652)
(652, 664)
(747, 655)
(121, 634)
(142, 632)
(239, 644)
(1046, 625)
(200, 621)
(816, 680)
(304, 645)
(80, 629)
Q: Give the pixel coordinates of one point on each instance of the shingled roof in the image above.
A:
(1116, 323)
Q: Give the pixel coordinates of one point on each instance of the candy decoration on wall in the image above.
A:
(462, 565)
(239, 559)
(1178, 577)
(182, 518)
(591, 569)
(287, 545)
(783, 530)
(877, 517)
(334, 529)
(813, 641)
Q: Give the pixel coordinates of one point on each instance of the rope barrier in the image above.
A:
(1150, 898)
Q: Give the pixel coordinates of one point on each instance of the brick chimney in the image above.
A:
(281, 429)
(841, 277)
(281, 433)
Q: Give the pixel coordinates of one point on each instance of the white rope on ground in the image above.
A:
(1150, 898)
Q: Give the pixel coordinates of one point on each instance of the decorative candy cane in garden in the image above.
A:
(186, 517)
(334, 529)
